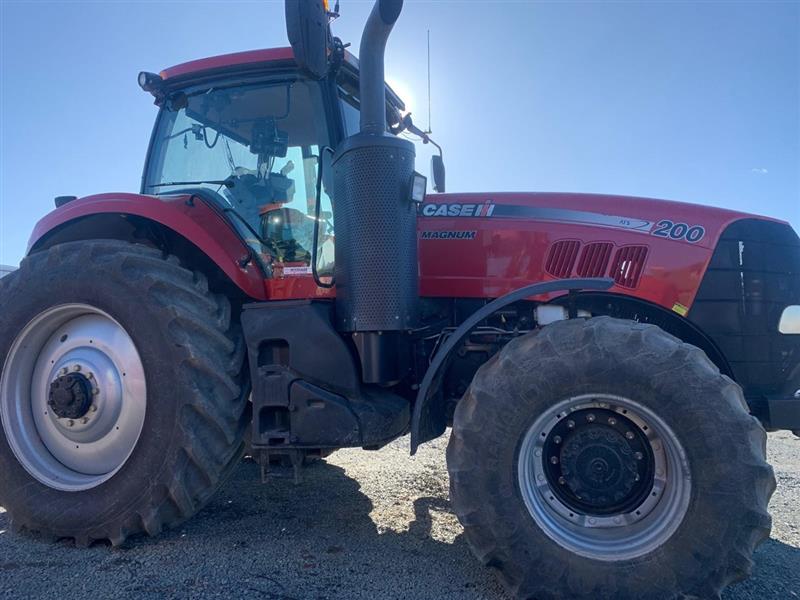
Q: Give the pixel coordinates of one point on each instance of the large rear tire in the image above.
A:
(123, 353)
(604, 458)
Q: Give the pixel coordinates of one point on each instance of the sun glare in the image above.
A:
(403, 90)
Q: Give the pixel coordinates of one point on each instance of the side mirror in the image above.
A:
(437, 173)
(309, 35)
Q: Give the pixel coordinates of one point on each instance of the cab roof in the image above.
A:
(249, 58)
(254, 60)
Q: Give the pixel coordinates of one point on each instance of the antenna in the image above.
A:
(429, 83)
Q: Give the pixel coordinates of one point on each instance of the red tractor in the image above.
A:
(608, 364)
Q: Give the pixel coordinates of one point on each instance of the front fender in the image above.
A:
(188, 216)
(429, 420)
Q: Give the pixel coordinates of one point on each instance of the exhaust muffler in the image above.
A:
(376, 231)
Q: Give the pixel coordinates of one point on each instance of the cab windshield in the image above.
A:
(254, 151)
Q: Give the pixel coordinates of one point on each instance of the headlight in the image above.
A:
(150, 82)
(419, 184)
(790, 320)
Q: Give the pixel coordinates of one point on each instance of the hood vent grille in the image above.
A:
(561, 258)
(594, 259)
(628, 265)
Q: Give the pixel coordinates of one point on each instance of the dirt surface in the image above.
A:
(361, 525)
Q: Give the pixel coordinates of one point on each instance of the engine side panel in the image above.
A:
(486, 245)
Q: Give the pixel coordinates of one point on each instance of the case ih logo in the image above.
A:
(457, 210)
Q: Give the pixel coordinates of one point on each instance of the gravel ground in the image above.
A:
(360, 525)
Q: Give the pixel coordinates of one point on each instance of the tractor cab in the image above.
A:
(248, 133)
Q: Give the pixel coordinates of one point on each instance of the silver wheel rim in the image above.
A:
(611, 537)
(78, 453)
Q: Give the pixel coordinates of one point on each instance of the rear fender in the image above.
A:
(189, 216)
(429, 419)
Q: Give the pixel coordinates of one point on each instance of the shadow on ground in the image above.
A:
(315, 540)
(318, 540)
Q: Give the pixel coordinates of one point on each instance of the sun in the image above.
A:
(403, 90)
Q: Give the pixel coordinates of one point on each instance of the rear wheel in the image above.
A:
(603, 458)
(120, 396)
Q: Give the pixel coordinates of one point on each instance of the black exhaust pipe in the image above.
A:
(371, 80)
(376, 230)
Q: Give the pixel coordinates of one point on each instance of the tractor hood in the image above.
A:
(701, 225)
(485, 245)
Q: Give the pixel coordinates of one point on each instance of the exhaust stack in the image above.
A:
(376, 225)
(371, 60)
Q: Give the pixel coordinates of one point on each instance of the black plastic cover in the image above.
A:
(754, 274)
(295, 340)
(309, 35)
(307, 391)
(60, 201)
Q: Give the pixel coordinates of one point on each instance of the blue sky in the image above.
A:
(688, 101)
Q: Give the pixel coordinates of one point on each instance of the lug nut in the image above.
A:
(85, 420)
(557, 439)
(95, 391)
(562, 481)
(629, 435)
(571, 424)
(612, 421)
(639, 456)
(76, 368)
(554, 460)
(63, 371)
(590, 417)
(70, 423)
(94, 408)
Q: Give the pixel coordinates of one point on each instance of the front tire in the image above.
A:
(604, 458)
(121, 394)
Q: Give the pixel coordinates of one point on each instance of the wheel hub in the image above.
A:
(598, 462)
(603, 476)
(70, 396)
(73, 397)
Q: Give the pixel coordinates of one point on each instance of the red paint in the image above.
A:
(508, 253)
(292, 286)
(505, 254)
(198, 223)
(248, 58)
(224, 61)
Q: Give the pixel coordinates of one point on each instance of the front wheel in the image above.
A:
(121, 402)
(603, 458)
